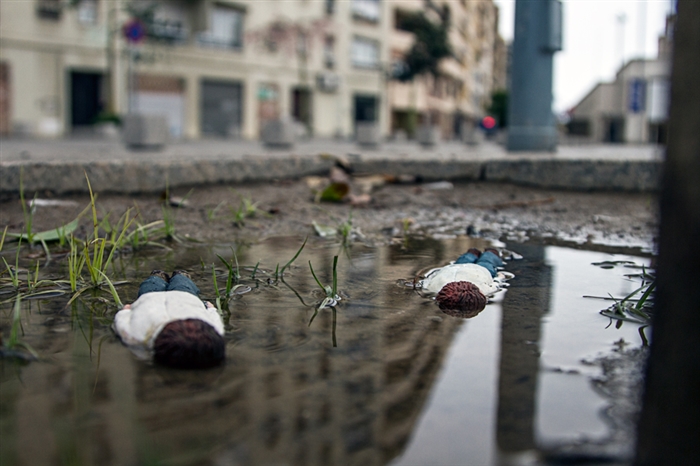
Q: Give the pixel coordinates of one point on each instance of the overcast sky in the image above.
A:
(593, 47)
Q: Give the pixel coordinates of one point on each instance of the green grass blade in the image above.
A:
(115, 295)
(316, 278)
(16, 324)
(335, 276)
(645, 296)
(2, 240)
(295, 256)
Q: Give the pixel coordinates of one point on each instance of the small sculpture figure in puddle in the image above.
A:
(169, 322)
(463, 287)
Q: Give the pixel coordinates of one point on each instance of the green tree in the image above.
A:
(499, 107)
(431, 44)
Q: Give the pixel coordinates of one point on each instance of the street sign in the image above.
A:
(636, 96)
(134, 31)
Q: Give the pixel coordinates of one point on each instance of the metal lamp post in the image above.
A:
(538, 35)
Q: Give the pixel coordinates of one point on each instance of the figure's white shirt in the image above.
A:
(141, 324)
(437, 278)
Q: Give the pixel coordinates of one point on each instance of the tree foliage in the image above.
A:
(499, 107)
(431, 43)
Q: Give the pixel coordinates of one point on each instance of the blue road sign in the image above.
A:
(134, 31)
(637, 95)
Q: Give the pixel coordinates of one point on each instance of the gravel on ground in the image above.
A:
(254, 211)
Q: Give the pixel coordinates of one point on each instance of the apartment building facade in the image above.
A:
(216, 68)
(634, 107)
(462, 92)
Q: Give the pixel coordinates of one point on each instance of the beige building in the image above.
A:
(463, 92)
(217, 68)
(631, 109)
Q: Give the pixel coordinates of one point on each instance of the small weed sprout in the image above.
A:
(630, 308)
(345, 230)
(232, 286)
(76, 262)
(212, 214)
(168, 228)
(234, 273)
(13, 272)
(246, 209)
(331, 299)
(331, 291)
(27, 211)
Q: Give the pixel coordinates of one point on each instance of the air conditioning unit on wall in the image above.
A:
(327, 81)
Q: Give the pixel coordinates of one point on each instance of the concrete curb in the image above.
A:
(583, 175)
(130, 176)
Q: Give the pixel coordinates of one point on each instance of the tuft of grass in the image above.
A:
(13, 272)
(246, 209)
(233, 277)
(76, 262)
(234, 273)
(630, 309)
(97, 262)
(345, 230)
(331, 291)
(168, 228)
(96, 253)
(331, 299)
(636, 307)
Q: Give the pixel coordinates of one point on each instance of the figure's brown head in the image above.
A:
(189, 344)
(475, 251)
(461, 299)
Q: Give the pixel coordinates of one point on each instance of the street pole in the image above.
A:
(538, 35)
(669, 425)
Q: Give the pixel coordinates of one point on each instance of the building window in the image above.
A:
(49, 9)
(364, 53)
(330, 7)
(87, 11)
(329, 52)
(367, 10)
(225, 30)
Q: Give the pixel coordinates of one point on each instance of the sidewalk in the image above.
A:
(60, 165)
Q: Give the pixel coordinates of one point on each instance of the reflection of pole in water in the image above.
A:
(526, 301)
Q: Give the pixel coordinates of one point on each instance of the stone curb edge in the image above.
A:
(130, 177)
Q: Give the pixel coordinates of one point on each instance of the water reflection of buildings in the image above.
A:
(286, 396)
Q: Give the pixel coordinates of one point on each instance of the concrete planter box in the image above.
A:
(471, 135)
(279, 133)
(367, 134)
(108, 131)
(428, 135)
(145, 131)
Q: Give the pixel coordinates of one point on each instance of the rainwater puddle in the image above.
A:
(386, 379)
